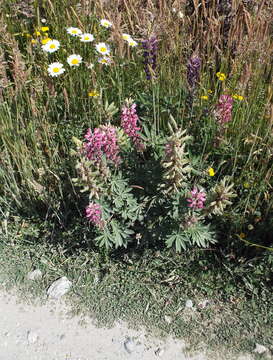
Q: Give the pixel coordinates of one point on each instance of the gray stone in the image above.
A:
(129, 345)
(59, 288)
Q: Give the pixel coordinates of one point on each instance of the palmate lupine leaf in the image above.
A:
(197, 235)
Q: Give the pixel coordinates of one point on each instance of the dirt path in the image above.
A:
(47, 332)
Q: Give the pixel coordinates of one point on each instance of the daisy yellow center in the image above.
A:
(103, 61)
(75, 61)
(56, 69)
(86, 38)
(74, 31)
(52, 46)
(103, 49)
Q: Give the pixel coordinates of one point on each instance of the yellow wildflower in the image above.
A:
(221, 76)
(242, 235)
(37, 33)
(45, 41)
(204, 97)
(238, 97)
(209, 91)
(93, 93)
(246, 185)
(211, 172)
(33, 41)
(44, 28)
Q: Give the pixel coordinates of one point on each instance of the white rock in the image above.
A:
(32, 337)
(168, 319)
(34, 275)
(203, 304)
(189, 304)
(260, 349)
(59, 287)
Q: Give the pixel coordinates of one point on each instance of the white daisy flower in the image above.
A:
(86, 38)
(55, 69)
(132, 43)
(74, 60)
(106, 23)
(51, 46)
(74, 31)
(126, 37)
(105, 60)
(103, 48)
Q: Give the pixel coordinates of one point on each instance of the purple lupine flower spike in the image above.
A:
(93, 212)
(197, 199)
(150, 55)
(224, 109)
(129, 120)
(102, 141)
(193, 71)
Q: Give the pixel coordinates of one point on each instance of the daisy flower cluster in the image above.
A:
(102, 48)
(74, 60)
(130, 41)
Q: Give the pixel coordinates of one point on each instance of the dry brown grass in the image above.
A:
(221, 31)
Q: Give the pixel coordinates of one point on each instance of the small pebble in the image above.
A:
(189, 304)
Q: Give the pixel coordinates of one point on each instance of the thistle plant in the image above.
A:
(176, 163)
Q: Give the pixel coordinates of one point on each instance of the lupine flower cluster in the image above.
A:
(193, 71)
(129, 119)
(197, 199)
(150, 55)
(93, 213)
(224, 109)
(102, 141)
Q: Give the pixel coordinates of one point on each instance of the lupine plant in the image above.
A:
(117, 212)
